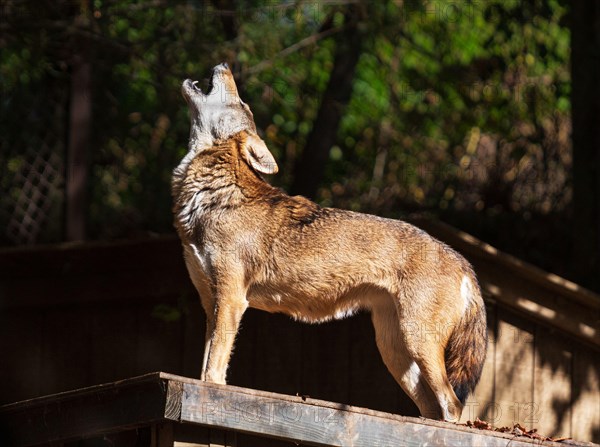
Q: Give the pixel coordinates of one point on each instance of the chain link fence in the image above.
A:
(32, 152)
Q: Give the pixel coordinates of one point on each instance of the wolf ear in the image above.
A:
(256, 153)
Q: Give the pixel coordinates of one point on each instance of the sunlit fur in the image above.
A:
(247, 244)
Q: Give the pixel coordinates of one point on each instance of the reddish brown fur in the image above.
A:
(249, 244)
(466, 350)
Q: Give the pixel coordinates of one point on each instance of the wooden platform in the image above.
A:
(126, 308)
(160, 410)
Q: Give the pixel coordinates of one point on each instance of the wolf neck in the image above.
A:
(204, 186)
(198, 142)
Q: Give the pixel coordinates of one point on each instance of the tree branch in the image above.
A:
(307, 41)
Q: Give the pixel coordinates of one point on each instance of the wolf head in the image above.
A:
(219, 113)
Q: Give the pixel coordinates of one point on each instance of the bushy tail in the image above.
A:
(466, 349)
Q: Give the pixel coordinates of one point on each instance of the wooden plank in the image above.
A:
(113, 343)
(555, 312)
(140, 437)
(159, 398)
(77, 273)
(65, 352)
(324, 359)
(194, 324)
(508, 263)
(162, 435)
(245, 440)
(159, 341)
(544, 297)
(331, 344)
(514, 360)
(313, 380)
(314, 422)
(88, 412)
(21, 348)
(371, 384)
(187, 435)
(586, 396)
(550, 410)
(93, 287)
(128, 438)
(283, 353)
(276, 352)
(82, 257)
(245, 367)
(221, 438)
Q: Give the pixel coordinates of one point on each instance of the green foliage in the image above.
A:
(166, 313)
(464, 104)
(479, 86)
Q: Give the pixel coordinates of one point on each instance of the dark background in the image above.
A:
(483, 113)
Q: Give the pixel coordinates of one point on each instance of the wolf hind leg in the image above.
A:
(426, 349)
(390, 341)
(434, 372)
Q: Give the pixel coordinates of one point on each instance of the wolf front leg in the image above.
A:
(221, 329)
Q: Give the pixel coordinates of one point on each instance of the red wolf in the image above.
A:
(248, 244)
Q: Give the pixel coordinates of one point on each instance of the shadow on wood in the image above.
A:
(76, 315)
(160, 403)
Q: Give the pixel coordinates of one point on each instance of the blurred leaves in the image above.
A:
(458, 108)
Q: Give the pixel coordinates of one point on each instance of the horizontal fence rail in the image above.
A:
(159, 400)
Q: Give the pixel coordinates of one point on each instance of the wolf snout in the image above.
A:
(189, 87)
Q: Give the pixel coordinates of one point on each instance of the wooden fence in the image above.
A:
(543, 363)
(76, 315)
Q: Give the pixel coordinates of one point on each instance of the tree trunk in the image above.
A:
(228, 18)
(585, 101)
(309, 169)
(80, 125)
